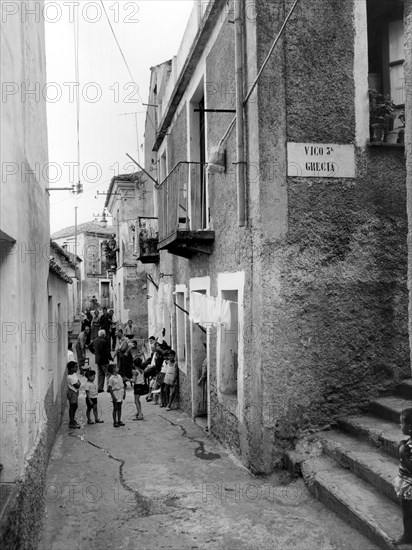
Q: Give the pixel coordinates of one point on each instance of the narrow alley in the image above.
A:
(209, 201)
(162, 483)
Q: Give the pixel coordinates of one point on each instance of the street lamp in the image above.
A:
(103, 220)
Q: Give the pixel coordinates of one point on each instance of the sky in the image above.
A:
(149, 32)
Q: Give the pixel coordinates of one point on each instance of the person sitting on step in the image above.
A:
(403, 482)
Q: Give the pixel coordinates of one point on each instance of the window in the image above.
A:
(386, 48)
(181, 327)
(197, 140)
(199, 337)
(396, 62)
(105, 294)
(103, 258)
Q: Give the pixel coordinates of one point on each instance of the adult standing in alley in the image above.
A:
(124, 360)
(87, 322)
(105, 323)
(101, 348)
(130, 330)
(113, 329)
(95, 324)
(81, 347)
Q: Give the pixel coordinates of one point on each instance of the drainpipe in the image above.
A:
(240, 147)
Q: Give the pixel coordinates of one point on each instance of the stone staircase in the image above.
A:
(351, 468)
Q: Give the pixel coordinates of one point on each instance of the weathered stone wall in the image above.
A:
(335, 285)
(325, 297)
(232, 251)
(135, 300)
(21, 527)
(408, 143)
(29, 382)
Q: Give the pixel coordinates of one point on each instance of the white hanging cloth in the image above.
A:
(195, 309)
(208, 310)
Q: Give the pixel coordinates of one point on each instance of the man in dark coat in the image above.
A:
(102, 356)
(106, 322)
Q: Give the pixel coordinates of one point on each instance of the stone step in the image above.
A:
(385, 435)
(354, 500)
(405, 389)
(389, 407)
(363, 459)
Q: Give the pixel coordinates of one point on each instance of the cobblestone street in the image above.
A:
(163, 483)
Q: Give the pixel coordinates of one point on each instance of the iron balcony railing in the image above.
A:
(147, 236)
(181, 200)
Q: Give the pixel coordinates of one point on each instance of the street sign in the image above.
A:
(321, 160)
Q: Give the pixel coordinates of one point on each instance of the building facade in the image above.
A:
(33, 291)
(89, 243)
(126, 201)
(282, 217)
(69, 265)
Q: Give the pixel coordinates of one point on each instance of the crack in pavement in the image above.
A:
(145, 506)
(200, 451)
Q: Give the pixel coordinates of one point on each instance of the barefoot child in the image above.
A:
(117, 390)
(140, 388)
(403, 483)
(73, 386)
(91, 397)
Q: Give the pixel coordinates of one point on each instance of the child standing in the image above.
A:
(91, 397)
(170, 379)
(140, 388)
(161, 381)
(117, 390)
(73, 386)
(70, 354)
(403, 483)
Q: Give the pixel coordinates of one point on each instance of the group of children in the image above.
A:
(163, 383)
(73, 388)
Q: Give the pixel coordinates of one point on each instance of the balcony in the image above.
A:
(146, 240)
(182, 212)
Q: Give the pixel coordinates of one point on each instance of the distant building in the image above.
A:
(126, 201)
(96, 288)
(283, 233)
(68, 265)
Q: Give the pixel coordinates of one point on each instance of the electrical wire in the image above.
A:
(76, 29)
(252, 87)
(88, 189)
(126, 63)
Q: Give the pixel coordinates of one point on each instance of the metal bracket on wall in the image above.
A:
(215, 110)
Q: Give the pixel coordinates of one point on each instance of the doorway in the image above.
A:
(105, 294)
(199, 372)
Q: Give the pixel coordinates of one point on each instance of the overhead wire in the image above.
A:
(88, 189)
(76, 29)
(126, 63)
(76, 37)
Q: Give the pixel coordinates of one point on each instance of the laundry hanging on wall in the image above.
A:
(208, 310)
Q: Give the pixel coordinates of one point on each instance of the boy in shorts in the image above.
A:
(91, 397)
(117, 390)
